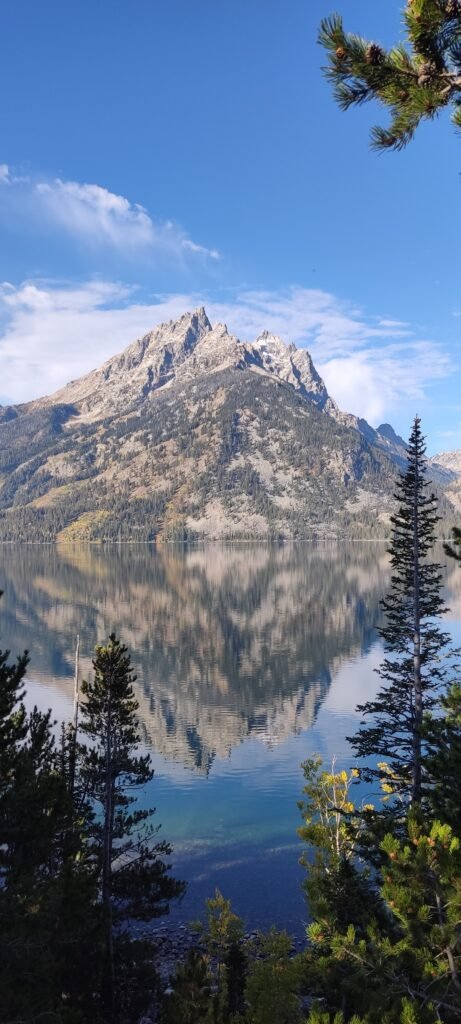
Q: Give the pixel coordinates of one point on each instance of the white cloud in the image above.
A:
(374, 382)
(93, 215)
(53, 334)
(308, 317)
(187, 243)
(99, 217)
(393, 323)
(370, 365)
(352, 376)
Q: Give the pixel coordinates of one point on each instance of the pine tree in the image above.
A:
(397, 958)
(274, 981)
(412, 670)
(190, 999)
(318, 1016)
(415, 82)
(236, 964)
(47, 900)
(222, 938)
(133, 874)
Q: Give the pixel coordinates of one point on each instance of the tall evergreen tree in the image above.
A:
(50, 927)
(412, 670)
(130, 864)
(415, 82)
(47, 899)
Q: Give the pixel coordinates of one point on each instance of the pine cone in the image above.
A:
(340, 52)
(374, 55)
(427, 72)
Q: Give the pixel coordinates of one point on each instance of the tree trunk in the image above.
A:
(417, 694)
(73, 751)
(108, 982)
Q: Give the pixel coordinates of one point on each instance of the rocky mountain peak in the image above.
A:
(193, 324)
(385, 430)
(272, 342)
(198, 434)
(190, 348)
(180, 335)
(216, 350)
(220, 330)
(147, 364)
(295, 367)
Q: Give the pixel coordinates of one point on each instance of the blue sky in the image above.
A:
(162, 154)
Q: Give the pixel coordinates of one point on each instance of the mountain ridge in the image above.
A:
(190, 432)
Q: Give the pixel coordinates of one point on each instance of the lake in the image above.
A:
(249, 660)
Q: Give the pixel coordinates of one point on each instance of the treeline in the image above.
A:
(79, 861)
(124, 518)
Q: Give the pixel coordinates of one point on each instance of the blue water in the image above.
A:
(249, 660)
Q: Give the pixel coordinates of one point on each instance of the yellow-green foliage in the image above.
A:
(222, 927)
(317, 1016)
(54, 495)
(327, 809)
(387, 947)
(82, 528)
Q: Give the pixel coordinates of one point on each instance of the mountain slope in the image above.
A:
(191, 433)
(450, 461)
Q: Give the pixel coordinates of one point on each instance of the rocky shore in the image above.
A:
(172, 946)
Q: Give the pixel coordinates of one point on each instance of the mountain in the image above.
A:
(192, 433)
(450, 461)
(450, 464)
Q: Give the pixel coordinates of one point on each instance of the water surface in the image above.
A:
(249, 659)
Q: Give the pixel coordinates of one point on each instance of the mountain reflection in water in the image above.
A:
(226, 642)
(249, 659)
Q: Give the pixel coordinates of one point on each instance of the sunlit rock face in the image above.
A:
(228, 643)
(194, 433)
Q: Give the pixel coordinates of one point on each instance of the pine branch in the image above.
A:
(414, 81)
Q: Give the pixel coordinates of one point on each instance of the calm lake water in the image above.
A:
(249, 660)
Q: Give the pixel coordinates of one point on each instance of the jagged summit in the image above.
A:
(183, 349)
(190, 432)
(147, 364)
(387, 431)
(295, 367)
(273, 341)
